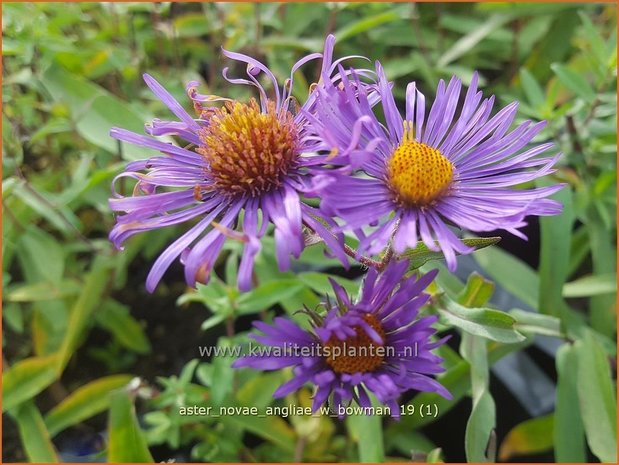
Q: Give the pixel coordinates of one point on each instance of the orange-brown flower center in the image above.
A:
(247, 150)
(358, 353)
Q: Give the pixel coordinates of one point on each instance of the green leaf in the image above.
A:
(126, 440)
(223, 373)
(574, 81)
(532, 89)
(58, 216)
(555, 253)
(557, 49)
(535, 323)
(213, 295)
(435, 456)
(479, 429)
(41, 256)
(511, 273)
(597, 46)
(407, 442)
(603, 311)
(117, 319)
(34, 436)
(568, 434)
(95, 111)
(591, 285)
(212, 322)
(470, 40)
(365, 24)
(367, 432)
(457, 381)
(319, 282)
(422, 254)
(266, 295)
(529, 437)
(258, 391)
(482, 420)
(477, 292)
(43, 291)
(491, 324)
(81, 313)
(26, 379)
(581, 246)
(596, 395)
(191, 25)
(273, 429)
(84, 402)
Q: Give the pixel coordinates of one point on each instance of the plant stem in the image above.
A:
(370, 262)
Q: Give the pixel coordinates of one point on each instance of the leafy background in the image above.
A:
(95, 368)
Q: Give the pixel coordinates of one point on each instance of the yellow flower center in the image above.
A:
(358, 353)
(418, 174)
(248, 151)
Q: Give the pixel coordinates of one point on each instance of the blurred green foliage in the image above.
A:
(72, 71)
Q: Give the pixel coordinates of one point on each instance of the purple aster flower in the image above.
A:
(422, 173)
(246, 166)
(376, 344)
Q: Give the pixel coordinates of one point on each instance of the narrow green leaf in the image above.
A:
(603, 309)
(490, 324)
(272, 428)
(95, 111)
(555, 254)
(535, 323)
(26, 379)
(266, 295)
(191, 25)
(457, 381)
(581, 246)
(84, 402)
(597, 45)
(511, 273)
(365, 24)
(212, 322)
(117, 319)
(574, 82)
(94, 286)
(367, 432)
(477, 292)
(591, 285)
(532, 89)
(479, 428)
(529, 437)
(422, 254)
(319, 282)
(43, 291)
(596, 395)
(568, 434)
(468, 42)
(482, 420)
(258, 391)
(435, 456)
(34, 436)
(223, 374)
(126, 440)
(407, 442)
(213, 295)
(41, 256)
(58, 216)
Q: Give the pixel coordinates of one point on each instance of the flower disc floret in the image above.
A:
(418, 174)
(248, 151)
(359, 353)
